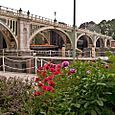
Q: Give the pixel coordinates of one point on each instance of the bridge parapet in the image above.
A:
(93, 33)
(35, 18)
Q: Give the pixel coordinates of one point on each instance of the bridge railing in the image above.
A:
(24, 14)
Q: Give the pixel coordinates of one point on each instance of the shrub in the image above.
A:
(13, 95)
(89, 90)
(81, 88)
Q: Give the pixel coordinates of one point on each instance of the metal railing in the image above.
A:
(29, 61)
(43, 53)
(51, 53)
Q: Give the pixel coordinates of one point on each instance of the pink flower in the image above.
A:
(47, 66)
(52, 90)
(56, 73)
(44, 74)
(44, 87)
(65, 64)
(36, 93)
(50, 77)
(72, 70)
(59, 66)
(37, 79)
(46, 79)
(58, 69)
(47, 88)
(40, 84)
(52, 69)
(51, 83)
(40, 68)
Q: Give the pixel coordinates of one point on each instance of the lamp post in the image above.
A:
(74, 30)
(55, 17)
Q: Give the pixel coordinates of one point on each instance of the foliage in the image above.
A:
(104, 27)
(108, 27)
(13, 94)
(89, 90)
(111, 62)
(81, 88)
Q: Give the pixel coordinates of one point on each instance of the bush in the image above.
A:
(81, 88)
(13, 95)
(89, 90)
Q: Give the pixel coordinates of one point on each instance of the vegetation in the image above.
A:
(13, 95)
(80, 88)
(104, 27)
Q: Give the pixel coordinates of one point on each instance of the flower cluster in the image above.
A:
(45, 80)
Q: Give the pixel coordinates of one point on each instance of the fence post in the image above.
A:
(3, 62)
(35, 65)
(50, 53)
(41, 62)
(90, 53)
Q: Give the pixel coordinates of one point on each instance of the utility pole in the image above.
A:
(74, 30)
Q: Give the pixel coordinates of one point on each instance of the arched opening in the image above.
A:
(56, 39)
(84, 42)
(7, 39)
(50, 39)
(108, 43)
(100, 43)
(3, 44)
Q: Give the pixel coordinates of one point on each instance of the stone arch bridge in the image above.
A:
(21, 30)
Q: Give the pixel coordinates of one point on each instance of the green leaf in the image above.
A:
(43, 113)
(77, 105)
(103, 84)
(100, 102)
(86, 104)
(93, 112)
(109, 93)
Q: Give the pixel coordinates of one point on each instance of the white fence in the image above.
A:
(25, 65)
(30, 61)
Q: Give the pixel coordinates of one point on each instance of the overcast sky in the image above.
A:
(86, 10)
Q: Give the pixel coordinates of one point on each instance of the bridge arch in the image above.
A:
(100, 42)
(6, 27)
(108, 43)
(52, 29)
(84, 41)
